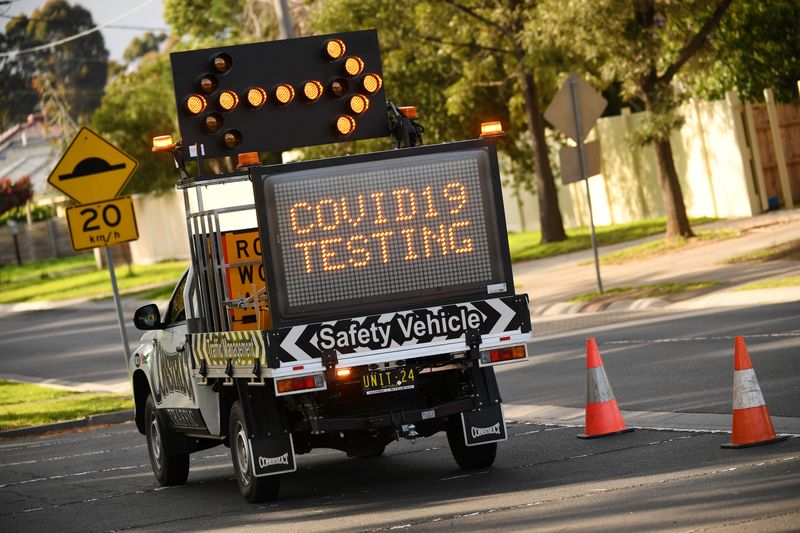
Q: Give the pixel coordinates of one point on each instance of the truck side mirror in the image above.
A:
(147, 317)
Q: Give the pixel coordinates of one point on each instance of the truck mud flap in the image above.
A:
(272, 455)
(484, 426)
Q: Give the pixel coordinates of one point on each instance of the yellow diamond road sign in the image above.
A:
(92, 169)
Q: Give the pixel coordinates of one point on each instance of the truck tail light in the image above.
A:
(504, 355)
(343, 373)
(300, 384)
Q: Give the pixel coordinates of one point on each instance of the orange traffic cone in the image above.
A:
(602, 412)
(752, 425)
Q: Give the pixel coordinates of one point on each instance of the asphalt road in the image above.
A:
(544, 478)
(69, 346)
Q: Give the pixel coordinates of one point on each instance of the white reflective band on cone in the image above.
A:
(598, 389)
(746, 392)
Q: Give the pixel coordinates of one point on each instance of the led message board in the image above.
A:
(382, 231)
(279, 95)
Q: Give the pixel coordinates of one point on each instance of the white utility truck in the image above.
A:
(336, 303)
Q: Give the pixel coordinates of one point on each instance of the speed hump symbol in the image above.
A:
(92, 169)
(102, 224)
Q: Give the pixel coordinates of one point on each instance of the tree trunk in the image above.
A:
(549, 212)
(677, 221)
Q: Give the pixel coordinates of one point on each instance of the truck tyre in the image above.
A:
(469, 457)
(254, 489)
(169, 469)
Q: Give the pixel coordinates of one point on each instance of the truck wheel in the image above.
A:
(254, 489)
(469, 457)
(168, 469)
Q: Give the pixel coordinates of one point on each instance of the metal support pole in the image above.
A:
(573, 85)
(117, 303)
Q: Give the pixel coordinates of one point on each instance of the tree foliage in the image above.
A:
(138, 106)
(14, 194)
(74, 72)
(462, 62)
(17, 96)
(643, 44)
(141, 46)
(756, 46)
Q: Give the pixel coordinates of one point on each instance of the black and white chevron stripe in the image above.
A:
(498, 315)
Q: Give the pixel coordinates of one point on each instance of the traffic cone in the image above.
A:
(752, 425)
(602, 412)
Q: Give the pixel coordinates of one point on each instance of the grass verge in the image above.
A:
(655, 290)
(774, 283)
(526, 246)
(788, 250)
(74, 284)
(661, 246)
(47, 268)
(25, 404)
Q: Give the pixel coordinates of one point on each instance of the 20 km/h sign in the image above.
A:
(102, 224)
(92, 169)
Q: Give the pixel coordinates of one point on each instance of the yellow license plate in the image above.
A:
(381, 381)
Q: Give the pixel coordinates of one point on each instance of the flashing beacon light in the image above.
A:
(256, 97)
(335, 49)
(228, 100)
(312, 90)
(358, 104)
(372, 83)
(345, 125)
(491, 129)
(196, 104)
(354, 66)
(162, 143)
(284, 93)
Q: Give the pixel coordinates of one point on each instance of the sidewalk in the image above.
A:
(551, 282)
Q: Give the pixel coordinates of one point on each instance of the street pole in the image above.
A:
(284, 19)
(573, 84)
(117, 303)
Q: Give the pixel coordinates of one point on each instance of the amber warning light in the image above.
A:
(491, 129)
(162, 143)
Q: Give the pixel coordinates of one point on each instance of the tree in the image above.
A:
(461, 61)
(756, 46)
(141, 46)
(644, 44)
(17, 96)
(75, 71)
(14, 195)
(138, 106)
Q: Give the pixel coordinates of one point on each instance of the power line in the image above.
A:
(107, 26)
(76, 36)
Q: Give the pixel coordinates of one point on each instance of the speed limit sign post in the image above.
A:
(93, 172)
(102, 224)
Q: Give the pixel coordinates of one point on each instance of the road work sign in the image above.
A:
(102, 224)
(245, 276)
(92, 169)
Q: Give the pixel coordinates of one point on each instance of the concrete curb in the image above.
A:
(117, 417)
(726, 298)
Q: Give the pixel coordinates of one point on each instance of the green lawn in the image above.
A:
(774, 283)
(656, 290)
(47, 268)
(788, 250)
(24, 404)
(526, 246)
(79, 282)
(661, 246)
